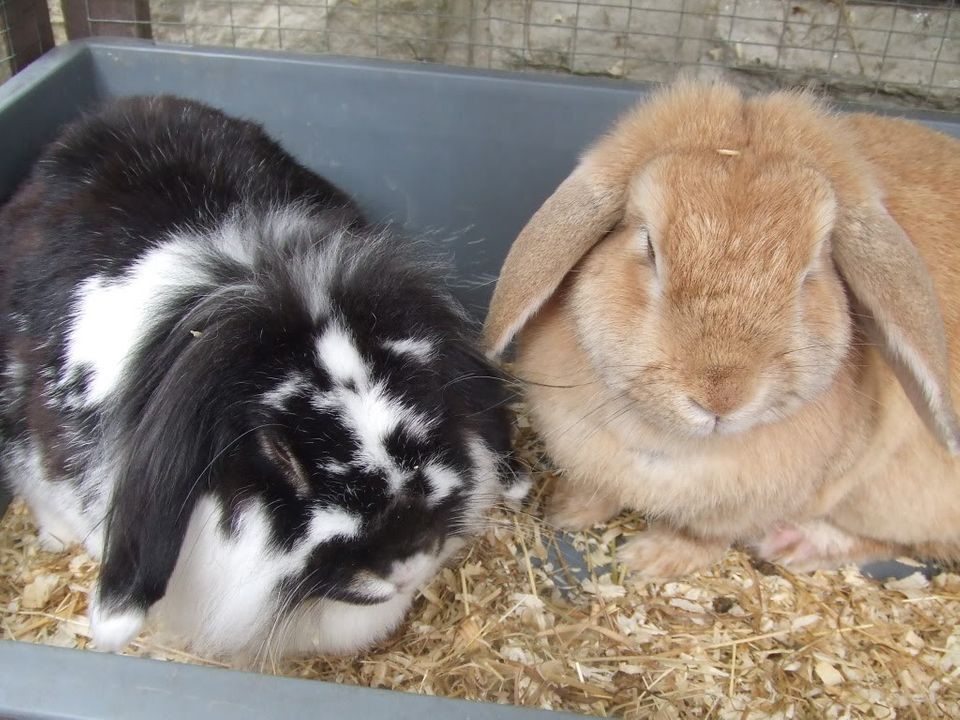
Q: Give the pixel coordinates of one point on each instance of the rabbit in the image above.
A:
(740, 316)
(267, 417)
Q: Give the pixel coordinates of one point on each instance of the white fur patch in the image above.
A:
(331, 627)
(365, 406)
(372, 415)
(292, 385)
(55, 503)
(336, 468)
(15, 373)
(373, 587)
(453, 545)
(223, 592)
(113, 631)
(443, 481)
(329, 523)
(110, 316)
(519, 489)
(311, 277)
(240, 237)
(422, 350)
(487, 488)
(243, 238)
(340, 357)
(222, 587)
(232, 240)
(412, 572)
(292, 222)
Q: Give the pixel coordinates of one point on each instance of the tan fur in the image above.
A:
(835, 411)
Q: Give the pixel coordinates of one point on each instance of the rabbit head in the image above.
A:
(721, 257)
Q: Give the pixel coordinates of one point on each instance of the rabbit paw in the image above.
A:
(572, 508)
(816, 545)
(661, 553)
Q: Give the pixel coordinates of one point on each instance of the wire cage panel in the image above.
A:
(896, 51)
(6, 52)
(25, 34)
(889, 52)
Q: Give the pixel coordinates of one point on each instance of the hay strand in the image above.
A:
(512, 623)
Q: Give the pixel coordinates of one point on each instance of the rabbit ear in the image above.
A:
(179, 418)
(590, 202)
(890, 283)
(162, 474)
(571, 221)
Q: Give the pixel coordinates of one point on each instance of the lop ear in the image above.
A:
(570, 222)
(162, 471)
(178, 419)
(892, 288)
(150, 508)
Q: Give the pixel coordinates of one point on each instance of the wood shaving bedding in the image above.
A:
(512, 622)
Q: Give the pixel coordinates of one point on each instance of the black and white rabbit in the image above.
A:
(267, 417)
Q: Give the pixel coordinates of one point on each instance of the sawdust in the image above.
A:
(514, 622)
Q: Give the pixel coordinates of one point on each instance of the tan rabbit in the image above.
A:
(741, 316)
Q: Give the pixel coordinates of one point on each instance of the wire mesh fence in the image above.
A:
(899, 52)
(6, 52)
(25, 34)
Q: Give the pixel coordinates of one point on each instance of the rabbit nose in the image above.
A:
(722, 390)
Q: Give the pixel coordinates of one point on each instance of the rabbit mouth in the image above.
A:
(404, 577)
(722, 427)
(718, 412)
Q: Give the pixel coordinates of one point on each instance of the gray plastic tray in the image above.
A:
(468, 155)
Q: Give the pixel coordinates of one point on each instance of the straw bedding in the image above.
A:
(512, 622)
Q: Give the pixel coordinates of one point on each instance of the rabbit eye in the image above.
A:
(280, 453)
(645, 243)
(813, 272)
(809, 276)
